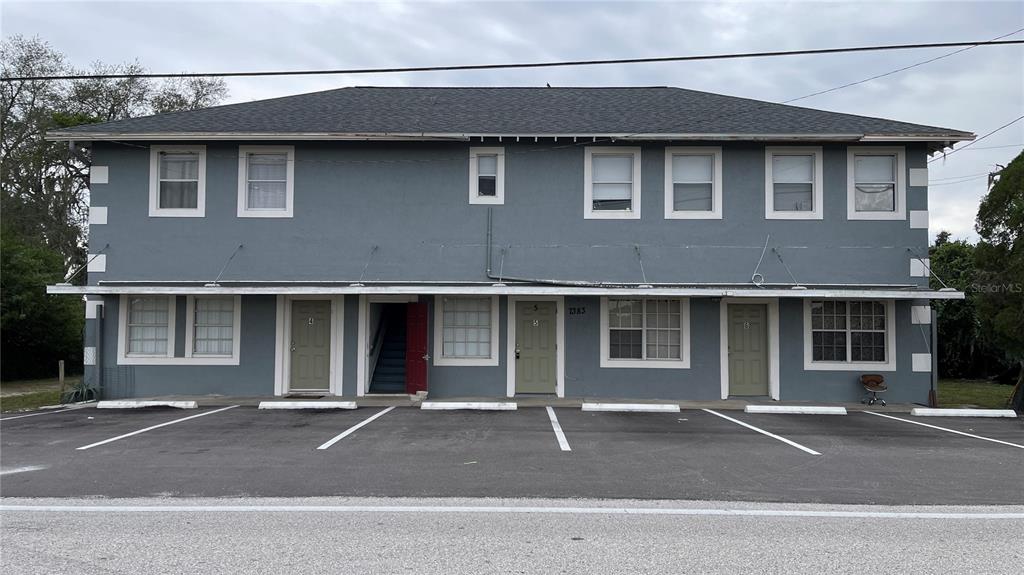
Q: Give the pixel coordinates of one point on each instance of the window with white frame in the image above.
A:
(148, 326)
(875, 186)
(611, 183)
(213, 331)
(465, 330)
(266, 184)
(854, 331)
(177, 186)
(486, 175)
(645, 332)
(693, 183)
(793, 183)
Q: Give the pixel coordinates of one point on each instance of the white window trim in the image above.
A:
(190, 330)
(243, 181)
(440, 359)
(499, 180)
(122, 336)
(899, 194)
(769, 188)
(683, 363)
(716, 186)
(155, 211)
(589, 213)
(867, 366)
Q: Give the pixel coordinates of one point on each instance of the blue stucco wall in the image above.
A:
(410, 199)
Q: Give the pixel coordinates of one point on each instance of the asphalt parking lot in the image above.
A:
(860, 458)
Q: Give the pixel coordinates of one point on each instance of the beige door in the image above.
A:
(536, 354)
(748, 349)
(311, 345)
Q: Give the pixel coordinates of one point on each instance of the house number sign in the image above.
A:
(577, 310)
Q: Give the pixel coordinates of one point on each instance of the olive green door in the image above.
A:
(536, 354)
(311, 345)
(748, 349)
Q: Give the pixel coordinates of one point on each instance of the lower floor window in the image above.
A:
(148, 320)
(645, 329)
(213, 326)
(849, 331)
(466, 327)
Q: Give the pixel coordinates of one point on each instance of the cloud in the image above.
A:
(977, 90)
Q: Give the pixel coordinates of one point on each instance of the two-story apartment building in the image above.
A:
(579, 242)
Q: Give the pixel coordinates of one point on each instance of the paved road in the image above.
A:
(692, 455)
(441, 536)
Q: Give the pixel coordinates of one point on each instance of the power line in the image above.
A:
(1006, 125)
(898, 70)
(566, 63)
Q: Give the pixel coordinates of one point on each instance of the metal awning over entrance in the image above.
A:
(324, 288)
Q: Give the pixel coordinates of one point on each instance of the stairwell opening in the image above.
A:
(387, 347)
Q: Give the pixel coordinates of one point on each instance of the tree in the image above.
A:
(999, 259)
(44, 192)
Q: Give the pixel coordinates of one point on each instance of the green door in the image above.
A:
(748, 349)
(536, 354)
(311, 345)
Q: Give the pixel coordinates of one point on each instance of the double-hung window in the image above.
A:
(611, 183)
(849, 334)
(177, 181)
(213, 326)
(147, 331)
(487, 176)
(645, 332)
(793, 183)
(875, 184)
(266, 181)
(693, 183)
(466, 330)
(149, 327)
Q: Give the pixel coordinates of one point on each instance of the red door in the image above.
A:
(416, 353)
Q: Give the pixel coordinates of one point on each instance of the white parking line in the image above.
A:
(35, 414)
(946, 429)
(151, 428)
(763, 432)
(22, 469)
(353, 429)
(562, 442)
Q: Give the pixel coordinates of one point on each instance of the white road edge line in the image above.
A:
(428, 509)
(947, 429)
(151, 428)
(22, 469)
(763, 432)
(562, 442)
(355, 427)
(35, 414)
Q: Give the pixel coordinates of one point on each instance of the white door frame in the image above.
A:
(773, 342)
(362, 349)
(510, 378)
(282, 349)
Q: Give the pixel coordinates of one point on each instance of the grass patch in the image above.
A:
(973, 393)
(31, 400)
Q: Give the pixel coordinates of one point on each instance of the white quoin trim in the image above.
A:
(773, 343)
(919, 268)
(510, 373)
(92, 308)
(918, 176)
(919, 219)
(97, 263)
(921, 362)
(89, 356)
(920, 314)
(97, 215)
(99, 175)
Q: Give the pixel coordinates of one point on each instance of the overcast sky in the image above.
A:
(976, 91)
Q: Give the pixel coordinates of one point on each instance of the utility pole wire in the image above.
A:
(566, 63)
(980, 138)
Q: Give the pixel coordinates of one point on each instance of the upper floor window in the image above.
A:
(875, 185)
(266, 181)
(466, 330)
(487, 175)
(849, 334)
(693, 183)
(177, 181)
(611, 183)
(645, 332)
(793, 183)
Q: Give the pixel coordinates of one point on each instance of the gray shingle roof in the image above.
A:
(510, 111)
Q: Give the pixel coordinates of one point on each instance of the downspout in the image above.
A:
(100, 313)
